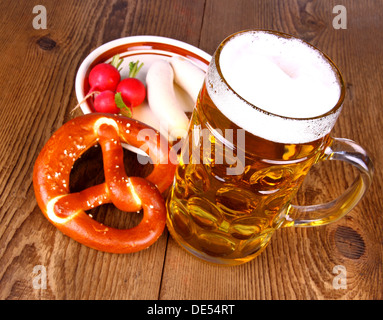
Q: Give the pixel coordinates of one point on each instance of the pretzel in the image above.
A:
(66, 210)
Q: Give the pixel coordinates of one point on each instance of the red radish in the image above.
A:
(104, 102)
(105, 76)
(109, 102)
(132, 90)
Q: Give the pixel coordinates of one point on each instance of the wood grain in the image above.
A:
(37, 73)
(298, 264)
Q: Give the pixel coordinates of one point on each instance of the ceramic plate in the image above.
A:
(146, 49)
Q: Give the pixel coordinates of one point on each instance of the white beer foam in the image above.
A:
(285, 78)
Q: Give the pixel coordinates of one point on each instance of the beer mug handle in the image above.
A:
(321, 214)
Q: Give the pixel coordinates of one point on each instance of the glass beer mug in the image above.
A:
(262, 120)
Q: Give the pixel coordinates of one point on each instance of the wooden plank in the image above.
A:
(37, 72)
(37, 76)
(299, 263)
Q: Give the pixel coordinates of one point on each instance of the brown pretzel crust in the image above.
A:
(67, 211)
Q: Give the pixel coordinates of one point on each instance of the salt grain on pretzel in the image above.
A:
(66, 210)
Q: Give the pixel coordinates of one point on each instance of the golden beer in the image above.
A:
(235, 180)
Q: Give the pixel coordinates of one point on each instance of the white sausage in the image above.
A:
(188, 76)
(162, 99)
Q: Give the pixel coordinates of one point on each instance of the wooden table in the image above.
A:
(37, 72)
